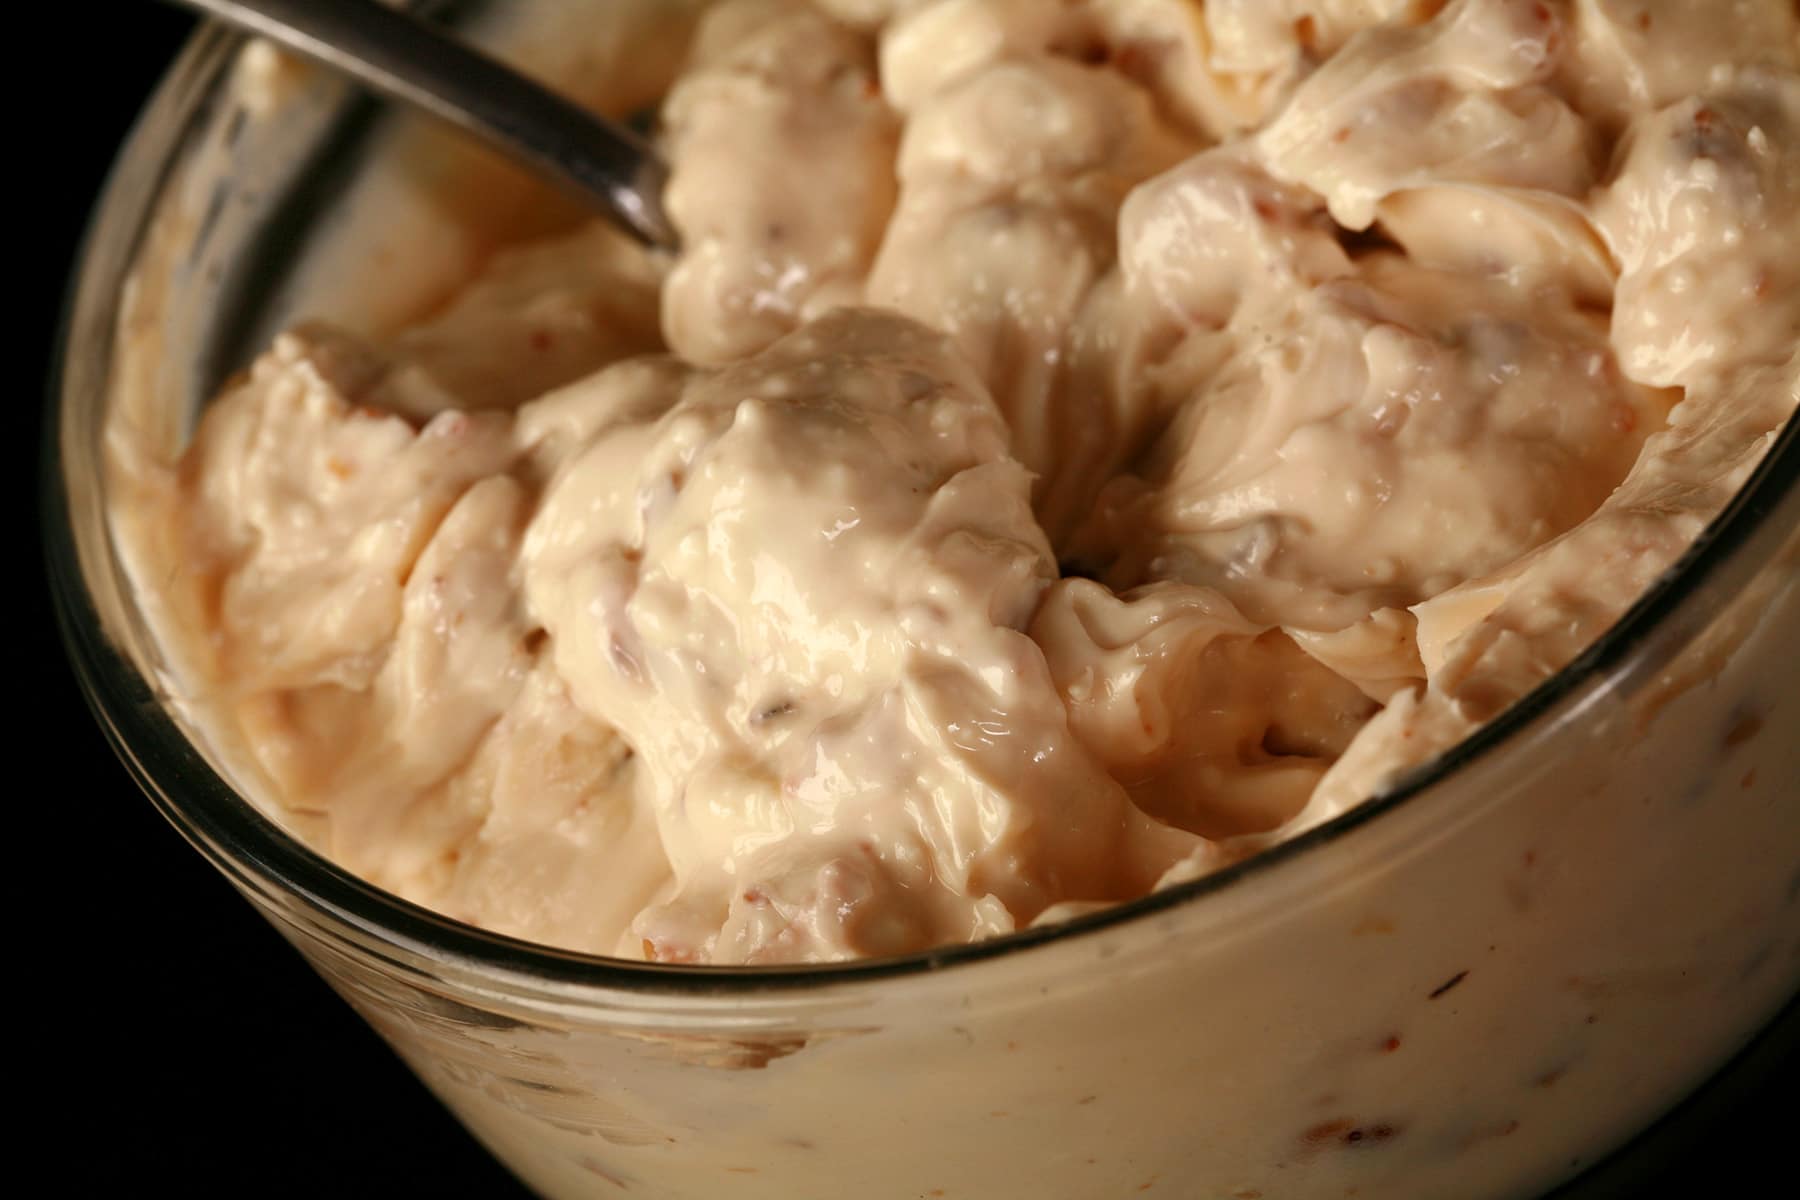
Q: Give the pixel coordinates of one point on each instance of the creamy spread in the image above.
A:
(1076, 446)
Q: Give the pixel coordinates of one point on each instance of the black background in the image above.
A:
(188, 1046)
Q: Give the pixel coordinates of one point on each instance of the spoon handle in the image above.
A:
(395, 53)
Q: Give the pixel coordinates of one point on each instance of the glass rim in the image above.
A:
(256, 853)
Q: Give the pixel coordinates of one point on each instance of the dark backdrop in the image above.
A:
(187, 1046)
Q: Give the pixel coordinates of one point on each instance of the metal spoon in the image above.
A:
(401, 56)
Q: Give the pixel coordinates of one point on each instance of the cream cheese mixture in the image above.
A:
(1076, 446)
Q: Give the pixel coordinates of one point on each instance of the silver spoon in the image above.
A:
(401, 56)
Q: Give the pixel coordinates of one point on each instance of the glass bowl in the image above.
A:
(1469, 986)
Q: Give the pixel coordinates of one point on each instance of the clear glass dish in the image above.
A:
(1470, 986)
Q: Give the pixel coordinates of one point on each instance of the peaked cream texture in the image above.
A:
(1078, 445)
